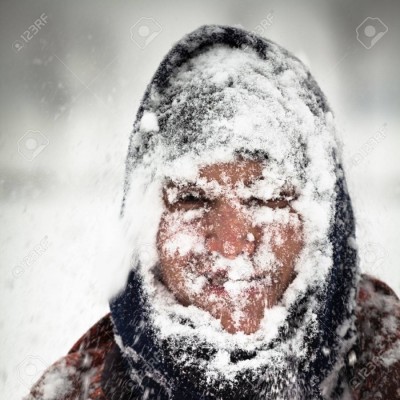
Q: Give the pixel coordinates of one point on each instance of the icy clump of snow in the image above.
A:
(149, 123)
(56, 382)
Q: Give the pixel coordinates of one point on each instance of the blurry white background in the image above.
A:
(72, 75)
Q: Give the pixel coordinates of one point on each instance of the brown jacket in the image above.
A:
(80, 374)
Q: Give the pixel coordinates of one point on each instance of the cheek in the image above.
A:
(170, 261)
(178, 244)
(287, 240)
(178, 240)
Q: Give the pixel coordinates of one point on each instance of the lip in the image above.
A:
(217, 278)
(216, 281)
(219, 290)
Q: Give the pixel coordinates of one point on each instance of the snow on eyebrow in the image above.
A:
(257, 187)
(172, 194)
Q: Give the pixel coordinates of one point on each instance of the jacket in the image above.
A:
(92, 368)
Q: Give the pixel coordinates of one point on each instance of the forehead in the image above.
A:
(228, 173)
(231, 173)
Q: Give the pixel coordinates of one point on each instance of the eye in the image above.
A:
(188, 200)
(255, 202)
(279, 202)
(282, 201)
(192, 197)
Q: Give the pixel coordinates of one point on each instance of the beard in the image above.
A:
(271, 369)
(279, 377)
(234, 291)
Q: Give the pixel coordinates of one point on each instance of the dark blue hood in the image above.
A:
(159, 377)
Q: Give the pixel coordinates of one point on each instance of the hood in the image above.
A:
(219, 92)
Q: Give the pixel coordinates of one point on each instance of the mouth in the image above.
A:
(220, 283)
(218, 278)
(216, 283)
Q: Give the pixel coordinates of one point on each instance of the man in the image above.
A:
(243, 279)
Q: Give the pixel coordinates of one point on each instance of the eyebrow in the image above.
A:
(252, 181)
(184, 184)
(192, 185)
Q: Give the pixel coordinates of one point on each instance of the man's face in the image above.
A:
(226, 246)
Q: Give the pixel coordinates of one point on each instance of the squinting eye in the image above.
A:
(190, 201)
(190, 198)
(254, 202)
(279, 202)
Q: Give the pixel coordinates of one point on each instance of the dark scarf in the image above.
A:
(154, 373)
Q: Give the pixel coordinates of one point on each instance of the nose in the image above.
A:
(229, 231)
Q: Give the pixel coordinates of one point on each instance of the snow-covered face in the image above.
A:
(228, 242)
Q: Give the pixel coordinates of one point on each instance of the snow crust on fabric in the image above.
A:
(56, 384)
(223, 92)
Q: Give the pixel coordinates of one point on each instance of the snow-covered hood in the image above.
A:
(221, 91)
